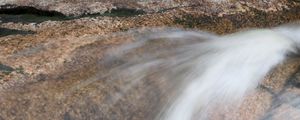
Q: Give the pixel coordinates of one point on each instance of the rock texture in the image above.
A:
(81, 7)
(40, 72)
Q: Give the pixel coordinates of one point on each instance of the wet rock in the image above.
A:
(278, 82)
(274, 99)
(61, 59)
(253, 107)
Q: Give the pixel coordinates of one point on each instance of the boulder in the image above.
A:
(54, 71)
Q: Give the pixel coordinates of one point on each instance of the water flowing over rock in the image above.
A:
(46, 57)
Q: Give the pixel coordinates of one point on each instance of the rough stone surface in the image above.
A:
(40, 71)
(81, 7)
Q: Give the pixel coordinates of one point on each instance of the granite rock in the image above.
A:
(82, 7)
(47, 66)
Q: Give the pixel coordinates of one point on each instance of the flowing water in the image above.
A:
(201, 72)
(163, 74)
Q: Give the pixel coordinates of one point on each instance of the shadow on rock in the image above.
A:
(6, 32)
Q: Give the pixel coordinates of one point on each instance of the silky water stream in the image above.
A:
(164, 74)
(201, 74)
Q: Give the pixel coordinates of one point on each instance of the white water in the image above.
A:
(239, 64)
(202, 70)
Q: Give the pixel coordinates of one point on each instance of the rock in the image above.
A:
(274, 99)
(254, 107)
(79, 7)
(61, 56)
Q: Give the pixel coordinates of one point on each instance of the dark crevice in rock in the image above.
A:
(178, 7)
(123, 12)
(295, 0)
(28, 18)
(6, 32)
(294, 80)
(27, 14)
(17, 10)
(267, 89)
(5, 68)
